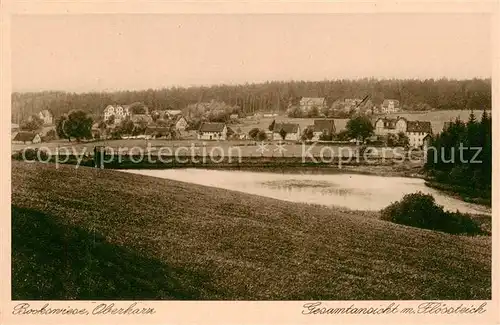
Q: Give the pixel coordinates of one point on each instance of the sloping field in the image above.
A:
(102, 234)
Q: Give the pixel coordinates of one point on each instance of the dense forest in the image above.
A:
(275, 96)
(462, 154)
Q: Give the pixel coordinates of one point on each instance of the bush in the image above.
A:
(31, 154)
(420, 210)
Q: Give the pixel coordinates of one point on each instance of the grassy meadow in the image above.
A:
(102, 234)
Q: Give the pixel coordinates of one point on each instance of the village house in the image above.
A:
(324, 127)
(385, 126)
(118, 111)
(181, 123)
(307, 103)
(212, 131)
(27, 138)
(419, 133)
(291, 131)
(390, 106)
(47, 117)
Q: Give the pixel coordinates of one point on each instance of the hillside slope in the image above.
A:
(102, 234)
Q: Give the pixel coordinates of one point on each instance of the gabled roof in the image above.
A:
(389, 123)
(287, 127)
(212, 127)
(178, 117)
(173, 111)
(419, 126)
(25, 136)
(325, 124)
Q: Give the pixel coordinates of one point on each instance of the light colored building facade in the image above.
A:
(118, 111)
(385, 126)
(418, 132)
(308, 103)
(212, 131)
(47, 117)
(181, 124)
(390, 106)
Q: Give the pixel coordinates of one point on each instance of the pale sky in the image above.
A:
(109, 52)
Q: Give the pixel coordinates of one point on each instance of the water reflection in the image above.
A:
(359, 192)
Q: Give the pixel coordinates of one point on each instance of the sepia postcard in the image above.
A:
(250, 162)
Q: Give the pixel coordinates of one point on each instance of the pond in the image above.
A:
(352, 191)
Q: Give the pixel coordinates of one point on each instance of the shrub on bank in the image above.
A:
(420, 210)
(31, 154)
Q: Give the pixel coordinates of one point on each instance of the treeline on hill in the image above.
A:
(462, 154)
(269, 96)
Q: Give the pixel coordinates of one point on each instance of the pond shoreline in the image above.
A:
(459, 193)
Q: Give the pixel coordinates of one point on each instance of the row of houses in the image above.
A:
(290, 131)
(350, 104)
(418, 132)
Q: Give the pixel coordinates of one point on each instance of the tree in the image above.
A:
(78, 125)
(283, 134)
(110, 120)
(294, 111)
(271, 126)
(359, 127)
(102, 125)
(403, 140)
(33, 123)
(155, 116)
(308, 133)
(138, 108)
(126, 126)
(253, 133)
(61, 130)
(313, 112)
(392, 140)
(261, 136)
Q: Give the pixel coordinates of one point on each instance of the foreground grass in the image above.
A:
(101, 234)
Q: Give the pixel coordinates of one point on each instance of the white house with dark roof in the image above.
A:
(47, 117)
(118, 111)
(390, 106)
(180, 123)
(292, 131)
(385, 126)
(418, 133)
(27, 138)
(212, 131)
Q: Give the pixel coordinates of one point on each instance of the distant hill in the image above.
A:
(442, 94)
